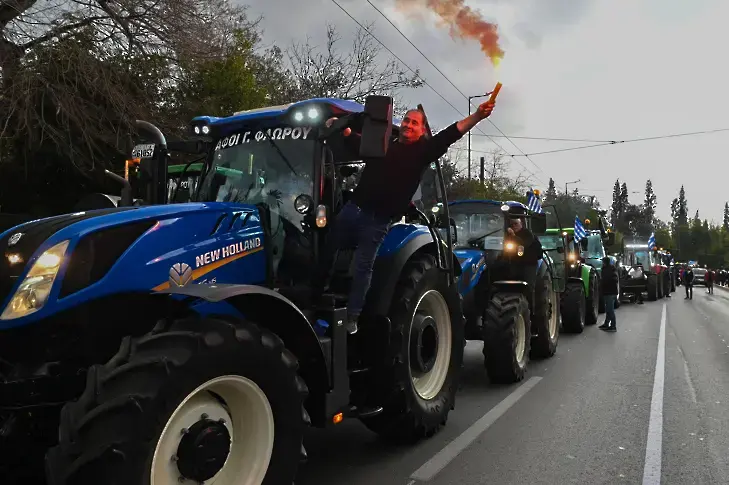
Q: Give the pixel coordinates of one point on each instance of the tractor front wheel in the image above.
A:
(506, 337)
(213, 399)
(545, 323)
(652, 287)
(573, 307)
(417, 388)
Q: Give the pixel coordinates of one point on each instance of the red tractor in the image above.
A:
(642, 270)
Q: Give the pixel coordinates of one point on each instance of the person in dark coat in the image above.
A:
(609, 282)
(688, 277)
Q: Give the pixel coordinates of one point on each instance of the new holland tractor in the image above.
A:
(496, 298)
(178, 343)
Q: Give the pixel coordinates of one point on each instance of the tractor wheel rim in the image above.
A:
(520, 349)
(429, 384)
(222, 433)
(553, 320)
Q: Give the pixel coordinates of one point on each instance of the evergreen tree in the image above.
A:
(726, 216)
(617, 207)
(551, 194)
(649, 204)
(682, 214)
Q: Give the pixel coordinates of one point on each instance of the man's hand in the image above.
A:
(510, 231)
(483, 112)
(485, 109)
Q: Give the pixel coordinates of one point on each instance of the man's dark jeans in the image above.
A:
(689, 290)
(366, 231)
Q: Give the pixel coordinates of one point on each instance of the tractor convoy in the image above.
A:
(170, 334)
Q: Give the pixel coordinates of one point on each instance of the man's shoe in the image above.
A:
(612, 329)
(603, 326)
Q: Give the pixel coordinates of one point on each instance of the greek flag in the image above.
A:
(580, 232)
(652, 241)
(533, 203)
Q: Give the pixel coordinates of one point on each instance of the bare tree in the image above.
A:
(75, 73)
(362, 71)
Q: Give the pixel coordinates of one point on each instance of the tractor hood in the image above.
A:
(130, 249)
(473, 264)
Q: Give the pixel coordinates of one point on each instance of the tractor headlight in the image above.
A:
(509, 246)
(572, 257)
(33, 292)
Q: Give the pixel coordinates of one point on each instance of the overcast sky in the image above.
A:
(592, 69)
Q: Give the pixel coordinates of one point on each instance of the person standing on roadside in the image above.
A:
(709, 279)
(688, 280)
(609, 283)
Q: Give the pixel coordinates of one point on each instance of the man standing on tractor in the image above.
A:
(521, 236)
(382, 196)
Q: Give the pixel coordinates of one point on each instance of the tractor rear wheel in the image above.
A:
(573, 307)
(205, 398)
(417, 388)
(546, 318)
(593, 299)
(506, 337)
(652, 287)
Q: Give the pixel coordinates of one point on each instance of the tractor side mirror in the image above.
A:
(377, 127)
(539, 224)
(610, 239)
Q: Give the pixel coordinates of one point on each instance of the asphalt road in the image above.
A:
(647, 404)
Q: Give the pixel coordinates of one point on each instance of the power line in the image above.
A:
(632, 140)
(546, 138)
(456, 88)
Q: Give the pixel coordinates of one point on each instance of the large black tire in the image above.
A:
(573, 307)
(109, 435)
(545, 323)
(593, 299)
(660, 292)
(506, 325)
(409, 416)
(652, 287)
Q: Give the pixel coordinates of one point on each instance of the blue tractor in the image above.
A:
(499, 304)
(156, 343)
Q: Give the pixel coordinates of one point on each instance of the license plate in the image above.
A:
(143, 151)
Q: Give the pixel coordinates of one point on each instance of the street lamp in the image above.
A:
(469, 131)
(568, 183)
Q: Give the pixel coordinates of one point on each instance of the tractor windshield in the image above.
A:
(259, 170)
(551, 242)
(636, 257)
(479, 224)
(592, 247)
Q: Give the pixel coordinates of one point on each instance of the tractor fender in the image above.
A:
(278, 314)
(575, 279)
(388, 268)
(514, 286)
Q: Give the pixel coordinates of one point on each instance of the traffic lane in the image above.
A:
(585, 422)
(696, 417)
(352, 454)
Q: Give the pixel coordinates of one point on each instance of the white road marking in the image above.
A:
(654, 442)
(441, 459)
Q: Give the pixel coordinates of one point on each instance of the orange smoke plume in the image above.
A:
(463, 22)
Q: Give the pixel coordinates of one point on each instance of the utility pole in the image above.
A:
(483, 162)
(569, 183)
(469, 131)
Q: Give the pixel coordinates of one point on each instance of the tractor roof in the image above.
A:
(332, 106)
